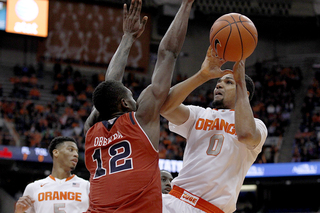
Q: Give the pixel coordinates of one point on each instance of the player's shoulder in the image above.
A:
(38, 182)
(77, 178)
(262, 127)
(260, 123)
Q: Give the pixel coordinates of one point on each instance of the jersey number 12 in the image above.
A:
(118, 161)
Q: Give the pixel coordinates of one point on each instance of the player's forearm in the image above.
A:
(118, 62)
(244, 121)
(169, 49)
(180, 92)
(175, 35)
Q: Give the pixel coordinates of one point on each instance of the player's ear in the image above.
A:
(248, 94)
(124, 103)
(55, 153)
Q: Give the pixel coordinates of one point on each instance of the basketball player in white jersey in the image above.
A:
(222, 143)
(61, 191)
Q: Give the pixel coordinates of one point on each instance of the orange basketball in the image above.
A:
(233, 37)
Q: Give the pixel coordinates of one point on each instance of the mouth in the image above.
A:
(75, 161)
(168, 189)
(218, 93)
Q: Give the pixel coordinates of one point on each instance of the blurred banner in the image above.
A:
(87, 34)
(284, 169)
(256, 170)
(25, 154)
(29, 17)
(3, 10)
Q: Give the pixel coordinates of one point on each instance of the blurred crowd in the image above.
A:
(273, 102)
(307, 140)
(37, 124)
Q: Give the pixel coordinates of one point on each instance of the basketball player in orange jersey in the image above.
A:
(222, 143)
(121, 150)
(61, 191)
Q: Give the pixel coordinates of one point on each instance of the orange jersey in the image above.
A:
(123, 166)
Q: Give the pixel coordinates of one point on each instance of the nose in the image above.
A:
(76, 154)
(219, 85)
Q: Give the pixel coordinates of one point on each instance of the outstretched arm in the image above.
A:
(173, 109)
(132, 28)
(152, 98)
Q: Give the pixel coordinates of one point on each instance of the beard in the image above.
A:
(218, 104)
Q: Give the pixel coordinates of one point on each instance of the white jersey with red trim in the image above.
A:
(53, 195)
(215, 163)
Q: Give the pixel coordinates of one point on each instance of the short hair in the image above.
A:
(58, 140)
(106, 97)
(166, 171)
(250, 86)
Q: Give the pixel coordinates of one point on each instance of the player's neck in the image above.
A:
(60, 173)
(116, 115)
(112, 116)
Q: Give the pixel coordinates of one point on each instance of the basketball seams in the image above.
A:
(240, 36)
(254, 38)
(233, 22)
(234, 46)
(225, 46)
(228, 25)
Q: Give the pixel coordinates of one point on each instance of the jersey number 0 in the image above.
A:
(215, 145)
(118, 161)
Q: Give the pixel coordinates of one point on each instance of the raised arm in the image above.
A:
(132, 29)
(245, 125)
(173, 109)
(152, 98)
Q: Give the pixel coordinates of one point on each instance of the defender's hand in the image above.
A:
(131, 19)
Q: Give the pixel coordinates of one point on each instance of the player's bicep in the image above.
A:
(148, 106)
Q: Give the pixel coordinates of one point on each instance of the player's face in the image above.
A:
(166, 179)
(68, 155)
(225, 92)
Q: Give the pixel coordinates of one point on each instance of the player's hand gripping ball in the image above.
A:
(233, 37)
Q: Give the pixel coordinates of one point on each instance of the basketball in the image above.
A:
(233, 37)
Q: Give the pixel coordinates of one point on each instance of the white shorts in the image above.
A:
(171, 204)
